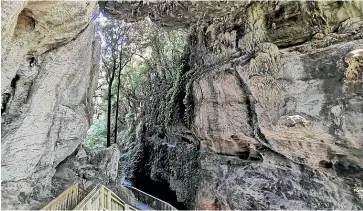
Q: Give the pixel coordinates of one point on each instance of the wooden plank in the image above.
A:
(57, 203)
(109, 199)
(102, 199)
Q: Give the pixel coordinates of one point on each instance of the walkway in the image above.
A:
(102, 198)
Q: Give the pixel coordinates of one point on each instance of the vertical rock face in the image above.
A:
(277, 103)
(49, 62)
(280, 69)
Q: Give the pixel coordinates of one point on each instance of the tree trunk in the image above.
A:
(109, 104)
(118, 92)
(109, 114)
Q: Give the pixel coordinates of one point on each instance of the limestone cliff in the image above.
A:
(269, 112)
(272, 101)
(48, 74)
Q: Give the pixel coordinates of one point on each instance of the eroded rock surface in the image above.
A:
(275, 183)
(49, 63)
(252, 68)
(90, 169)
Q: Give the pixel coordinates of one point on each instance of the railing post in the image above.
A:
(109, 199)
(76, 190)
(103, 198)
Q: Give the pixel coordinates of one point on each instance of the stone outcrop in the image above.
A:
(272, 90)
(276, 102)
(172, 14)
(48, 74)
(275, 183)
(90, 169)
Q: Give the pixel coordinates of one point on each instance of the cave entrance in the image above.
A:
(134, 79)
(159, 190)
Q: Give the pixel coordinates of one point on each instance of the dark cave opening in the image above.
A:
(6, 96)
(159, 190)
(326, 164)
(31, 61)
(182, 106)
(243, 155)
(14, 80)
(5, 100)
(141, 179)
(161, 135)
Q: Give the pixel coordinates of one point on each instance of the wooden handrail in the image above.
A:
(68, 199)
(102, 198)
(152, 201)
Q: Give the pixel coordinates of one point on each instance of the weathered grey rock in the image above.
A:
(250, 64)
(250, 68)
(90, 169)
(171, 14)
(49, 63)
(277, 84)
(221, 113)
(291, 121)
(275, 183)
(107, 160)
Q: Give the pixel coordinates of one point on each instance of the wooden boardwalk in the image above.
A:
(102, 198)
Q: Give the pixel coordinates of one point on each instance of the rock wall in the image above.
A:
(273, 93)
(275, 183)
(282, 66)
(49, 63)
(90, 169)
(258, 79)
(275, 100)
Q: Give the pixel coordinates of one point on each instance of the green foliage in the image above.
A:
(151, 82)
(125, 156)
(187, 101)
(135, 78)
(96, 135)
(125, 160)
(171, 98)
(138, 132)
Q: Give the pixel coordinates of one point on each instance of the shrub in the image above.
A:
(96, 135)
